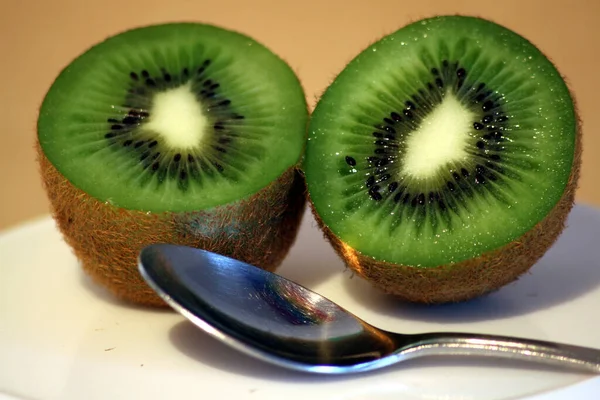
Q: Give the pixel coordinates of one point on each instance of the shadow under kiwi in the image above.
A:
(311, 260)
(571, 268)
(104, 295)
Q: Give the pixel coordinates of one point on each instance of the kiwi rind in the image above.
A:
(466, 279)
(259, 229)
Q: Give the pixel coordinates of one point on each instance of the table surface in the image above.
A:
(316, 37)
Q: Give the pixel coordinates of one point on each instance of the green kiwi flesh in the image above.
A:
(180, 133)
(439, 145)
(174, 117)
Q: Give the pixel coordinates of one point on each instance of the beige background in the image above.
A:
(317, 37)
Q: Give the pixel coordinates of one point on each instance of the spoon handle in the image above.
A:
(449, 343)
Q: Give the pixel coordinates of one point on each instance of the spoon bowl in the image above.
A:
(281, 322)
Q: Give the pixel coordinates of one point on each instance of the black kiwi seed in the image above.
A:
(477, 125)
(370, 181)
(488, 118)
(389, 129)
(155, 166)
(461, 72)
(392, 187)
(134, 76)
(480, 144)
(350, 161)
(395, 116)
(177, 157)
(488, 105)
(130, 120)
(384, 178)
(442, 205)
(127, 143)
(374, 193)
(382, 162)
(398, 196)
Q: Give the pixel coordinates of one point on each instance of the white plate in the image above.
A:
(62, 337)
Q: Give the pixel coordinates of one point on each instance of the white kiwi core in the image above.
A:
(177, 117)
(441, 139)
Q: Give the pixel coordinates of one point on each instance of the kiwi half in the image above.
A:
(183, 133)
(443, 160)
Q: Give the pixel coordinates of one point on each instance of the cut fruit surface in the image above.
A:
(447, 139)
(193, 117)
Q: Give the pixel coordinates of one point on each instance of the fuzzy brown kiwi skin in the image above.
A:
(259, 230)
(468, 279)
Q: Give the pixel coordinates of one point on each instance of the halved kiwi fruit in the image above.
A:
(182, 133)
(443, 160)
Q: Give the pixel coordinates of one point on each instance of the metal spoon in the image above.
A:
(276, 320)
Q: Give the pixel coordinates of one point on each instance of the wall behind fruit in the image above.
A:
(317, 37)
